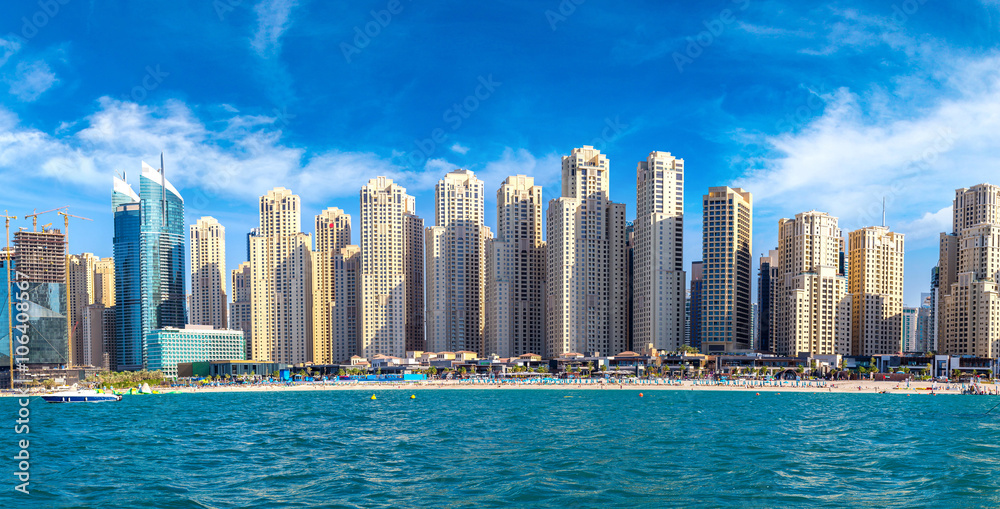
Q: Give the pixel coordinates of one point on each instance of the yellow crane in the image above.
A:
(69, 314)
(10, 319)
(34, 216)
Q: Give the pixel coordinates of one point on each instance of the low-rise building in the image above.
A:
(166, 348)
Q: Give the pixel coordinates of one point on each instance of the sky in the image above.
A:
(830, 106)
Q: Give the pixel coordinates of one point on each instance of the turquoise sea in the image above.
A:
(512, 448)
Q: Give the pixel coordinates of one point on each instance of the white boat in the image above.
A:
(81, 396)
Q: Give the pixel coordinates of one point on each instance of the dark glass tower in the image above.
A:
(149, 263)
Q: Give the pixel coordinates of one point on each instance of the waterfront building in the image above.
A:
(694, 321)
(727, 229)
(659, 279)
(282, 280)
(811, 303)
(98, 336)
(40, 259)
(345, 308)
(193, 343)
(81, 294)
(515, 279)
(910, 316)
(456, 265)
(587, 288)
(128, 294)
(240, 308)
(876, 287)
(767, 277)
(104, 282)
(335, 329)
(162, 253)
(208, 274)
(968, 304)
(391, 270)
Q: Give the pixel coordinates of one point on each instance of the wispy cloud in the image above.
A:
(459, 148)
(273, 19)
(31, 79)
(8, 46)
(238, 157)
(862, 149)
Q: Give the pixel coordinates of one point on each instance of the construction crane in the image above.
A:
(10, 322)
(69, 315)
(34, 216)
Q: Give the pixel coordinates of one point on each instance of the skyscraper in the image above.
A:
(968, 304)
(726, 311)
(587, 293)
(208, 274)
(456, 265)
(240, 309)
(162, 253)
(333, 234)
(104, 282)
(767, 276)
(40, 260)
(391, 278)
(810, 303)
(81, 294)
(345, 308)
(515, 296)
(658, 280)
(282, 280)
(128, 293)
(695, 334)
(876, 286)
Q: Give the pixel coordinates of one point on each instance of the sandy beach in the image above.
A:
(855, 387)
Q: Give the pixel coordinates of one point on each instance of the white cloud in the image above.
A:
(273, 18)
(7, 48)
(862, 149)
(31, 79)
(241, 158)
(547, 170)
(459, 148)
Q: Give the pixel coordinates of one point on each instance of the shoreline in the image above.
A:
(852, 387)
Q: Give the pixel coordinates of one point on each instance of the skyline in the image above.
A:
(841, 106)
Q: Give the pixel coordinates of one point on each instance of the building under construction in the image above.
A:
(41, 256)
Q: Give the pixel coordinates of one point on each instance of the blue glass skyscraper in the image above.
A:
(149, 263)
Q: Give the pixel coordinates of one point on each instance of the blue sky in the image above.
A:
(809, 105)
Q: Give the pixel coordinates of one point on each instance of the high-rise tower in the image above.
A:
(658, 290)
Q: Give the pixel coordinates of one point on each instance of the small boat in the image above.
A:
(81, 396)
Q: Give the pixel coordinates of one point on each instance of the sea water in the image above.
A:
(511, 448)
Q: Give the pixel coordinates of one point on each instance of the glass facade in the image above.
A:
(128, 299)
(165, 348)
(149, 263)
(161, 253)
(48, 341)
(5, 347)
